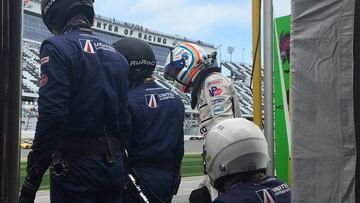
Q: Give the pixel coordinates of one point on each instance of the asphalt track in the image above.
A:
(186, 186)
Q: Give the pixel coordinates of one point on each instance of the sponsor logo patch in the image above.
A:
(151, 100)
(218, 101)
(281, 189)
(142, 62)
(87, 46)
(218, 109)
(203, 130)
(44, 60)
(214, 91)
(266, 196)
(214, 82)
(166, 96)
(91, 47)
(43, 80)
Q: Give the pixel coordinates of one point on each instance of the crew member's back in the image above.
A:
(83, 83)
(157, 119)
(83, 121)
(157, 138)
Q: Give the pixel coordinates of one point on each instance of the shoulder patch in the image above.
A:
(166, 96)
(215, 91)
(151, 100)
(87, 46)
(44, 60)
(216, 101)
(266, 196)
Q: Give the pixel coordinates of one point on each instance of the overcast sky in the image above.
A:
(219, 22)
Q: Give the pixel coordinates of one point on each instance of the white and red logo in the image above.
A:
(214, 91)
(44, 60)
(43, 80)
(215, 82)
(87, 46)
(266, 196)
(151, 100)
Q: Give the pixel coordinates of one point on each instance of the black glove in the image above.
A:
(176, 184)
(200, 195)
(36, 167)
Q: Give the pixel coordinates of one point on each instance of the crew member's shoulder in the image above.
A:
(234, 196)
(166, 94)
(59, 42)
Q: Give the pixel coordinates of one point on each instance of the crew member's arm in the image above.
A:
(125, 111)
(53, 106)
(178, 153)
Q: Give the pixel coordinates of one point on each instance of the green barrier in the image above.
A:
(281, 97)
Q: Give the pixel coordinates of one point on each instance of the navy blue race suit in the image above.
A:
(270, 190)
(82, 111)
(157, 140)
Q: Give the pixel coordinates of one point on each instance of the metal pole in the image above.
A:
(10, 78)
(268, 81)
(256, 46)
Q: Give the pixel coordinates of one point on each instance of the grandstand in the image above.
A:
(111, 30)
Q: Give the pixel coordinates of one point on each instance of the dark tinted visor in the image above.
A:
(173, 69)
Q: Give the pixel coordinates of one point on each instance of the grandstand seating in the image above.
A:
(240, 75)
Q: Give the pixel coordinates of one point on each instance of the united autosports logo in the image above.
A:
(214, 91)
(266, 196)
(91, 47)
(88, 46)
(152, 100)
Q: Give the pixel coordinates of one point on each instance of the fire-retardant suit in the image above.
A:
(83, 117)
(157, 139)
(217, 101)
(212, 94)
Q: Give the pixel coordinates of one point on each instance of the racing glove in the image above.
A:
(200, 195)
(36, 167)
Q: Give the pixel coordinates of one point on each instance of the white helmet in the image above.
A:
(234, 146)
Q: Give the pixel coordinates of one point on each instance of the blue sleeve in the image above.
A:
(125, 123)
(125, 114)
(53, 99)
(179, 150)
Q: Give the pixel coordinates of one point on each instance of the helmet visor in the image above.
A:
(173, 69)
